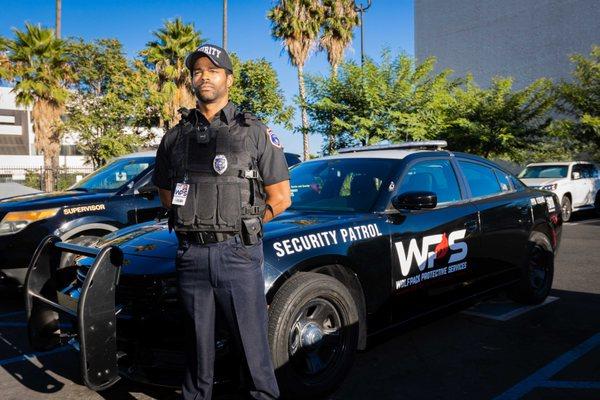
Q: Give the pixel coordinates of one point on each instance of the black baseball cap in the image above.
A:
(217, 55)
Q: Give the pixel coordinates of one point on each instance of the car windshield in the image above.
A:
(115, 175)
(349, 184)
(544, 171)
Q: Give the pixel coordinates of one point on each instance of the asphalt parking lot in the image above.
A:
(491, 351)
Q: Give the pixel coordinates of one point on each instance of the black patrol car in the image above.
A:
(375, 237)
(110, 198)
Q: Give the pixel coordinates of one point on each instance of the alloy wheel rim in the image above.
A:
(316, 340)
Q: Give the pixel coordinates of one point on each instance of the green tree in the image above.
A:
(36, 62)
(166, 56)
(579, 100)
(340, 19)
(105, 108)
(499, 121)
(391, 100)
(297, 24)
(256, 89)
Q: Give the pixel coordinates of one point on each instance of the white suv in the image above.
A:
(576, 183)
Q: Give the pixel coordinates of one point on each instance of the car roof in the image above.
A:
(148, 153)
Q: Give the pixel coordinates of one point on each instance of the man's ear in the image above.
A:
(229, 81)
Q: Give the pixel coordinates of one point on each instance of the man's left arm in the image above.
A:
(274, 172)
(278, 199)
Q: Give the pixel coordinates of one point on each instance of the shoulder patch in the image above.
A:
(273, 138)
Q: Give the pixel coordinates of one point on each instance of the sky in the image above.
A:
(387, 24)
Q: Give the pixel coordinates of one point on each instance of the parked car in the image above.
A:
(576, 183)
(115, 196)
(375, 237)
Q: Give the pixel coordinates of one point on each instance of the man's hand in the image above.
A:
(165, 198)
(279, 198)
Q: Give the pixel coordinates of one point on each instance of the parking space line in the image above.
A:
(32, 356)
(571, 385)
(541, 378)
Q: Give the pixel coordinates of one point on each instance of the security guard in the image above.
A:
(222, 174)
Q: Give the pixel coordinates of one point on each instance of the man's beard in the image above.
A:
(208, 96)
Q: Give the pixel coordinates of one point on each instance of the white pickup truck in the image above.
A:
(576, 183)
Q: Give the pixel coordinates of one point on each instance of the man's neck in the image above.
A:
(209, 110)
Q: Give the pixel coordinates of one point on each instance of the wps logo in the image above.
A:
(446, 246)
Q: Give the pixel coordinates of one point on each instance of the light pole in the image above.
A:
(225, 24)
(360, 8)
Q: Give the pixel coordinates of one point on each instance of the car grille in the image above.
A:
(140, 290)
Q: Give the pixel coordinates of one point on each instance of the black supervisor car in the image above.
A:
(375, 237)
(110, 198)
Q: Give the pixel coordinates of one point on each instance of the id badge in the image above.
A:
(181, 193)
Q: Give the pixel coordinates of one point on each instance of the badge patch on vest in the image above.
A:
(220, 164)
(273, 138)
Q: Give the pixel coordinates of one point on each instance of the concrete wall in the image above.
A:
(526, 39)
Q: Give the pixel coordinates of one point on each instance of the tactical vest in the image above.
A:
(217, 202)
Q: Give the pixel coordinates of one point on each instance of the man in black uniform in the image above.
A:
(222, 174)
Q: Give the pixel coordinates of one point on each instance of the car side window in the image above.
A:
(481, 179)
(503, 179)
(432, 176)
(589, 171)
(577, 169)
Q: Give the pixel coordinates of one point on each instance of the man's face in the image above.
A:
(212, 83)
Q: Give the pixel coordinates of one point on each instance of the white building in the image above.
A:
(17, 148)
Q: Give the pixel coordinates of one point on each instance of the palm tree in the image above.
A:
(166, 55)
(37, 64)
(338, 25)
(297, 23)
(339, 21)
(58, 18)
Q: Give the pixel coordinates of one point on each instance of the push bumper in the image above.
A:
(93, 315)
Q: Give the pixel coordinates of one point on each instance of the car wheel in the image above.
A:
(68, 259)
(566, 208)
(597, 203)
(313, 334)
(538, 272)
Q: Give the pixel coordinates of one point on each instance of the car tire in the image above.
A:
(566, 207)
(537, 273)
(313, 335)
(597, 203)
(68, 259)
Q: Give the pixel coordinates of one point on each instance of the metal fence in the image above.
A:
(34, 177)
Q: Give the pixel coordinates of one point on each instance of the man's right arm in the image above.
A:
(165, 197)
(161, 176)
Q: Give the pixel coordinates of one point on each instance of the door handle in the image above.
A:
(471, 226)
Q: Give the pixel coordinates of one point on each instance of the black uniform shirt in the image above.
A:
(263, 145)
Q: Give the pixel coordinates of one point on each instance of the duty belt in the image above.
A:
(204, 237)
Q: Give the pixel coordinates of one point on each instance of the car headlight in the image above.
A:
(551, 186)
(16, 221)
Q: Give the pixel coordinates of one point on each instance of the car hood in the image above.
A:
(44, 200)
(291, 221)
(152, 239)
(537, 182)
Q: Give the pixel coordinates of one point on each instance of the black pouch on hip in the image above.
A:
(251, 231)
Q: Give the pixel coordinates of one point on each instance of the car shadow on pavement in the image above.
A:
(587, 216)
(456, 356)
(462, 356)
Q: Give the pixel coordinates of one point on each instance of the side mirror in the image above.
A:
(576, 175)
(148, 191)
(414, 200)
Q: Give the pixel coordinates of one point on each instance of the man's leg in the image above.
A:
(197, 296)
(241, 293)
